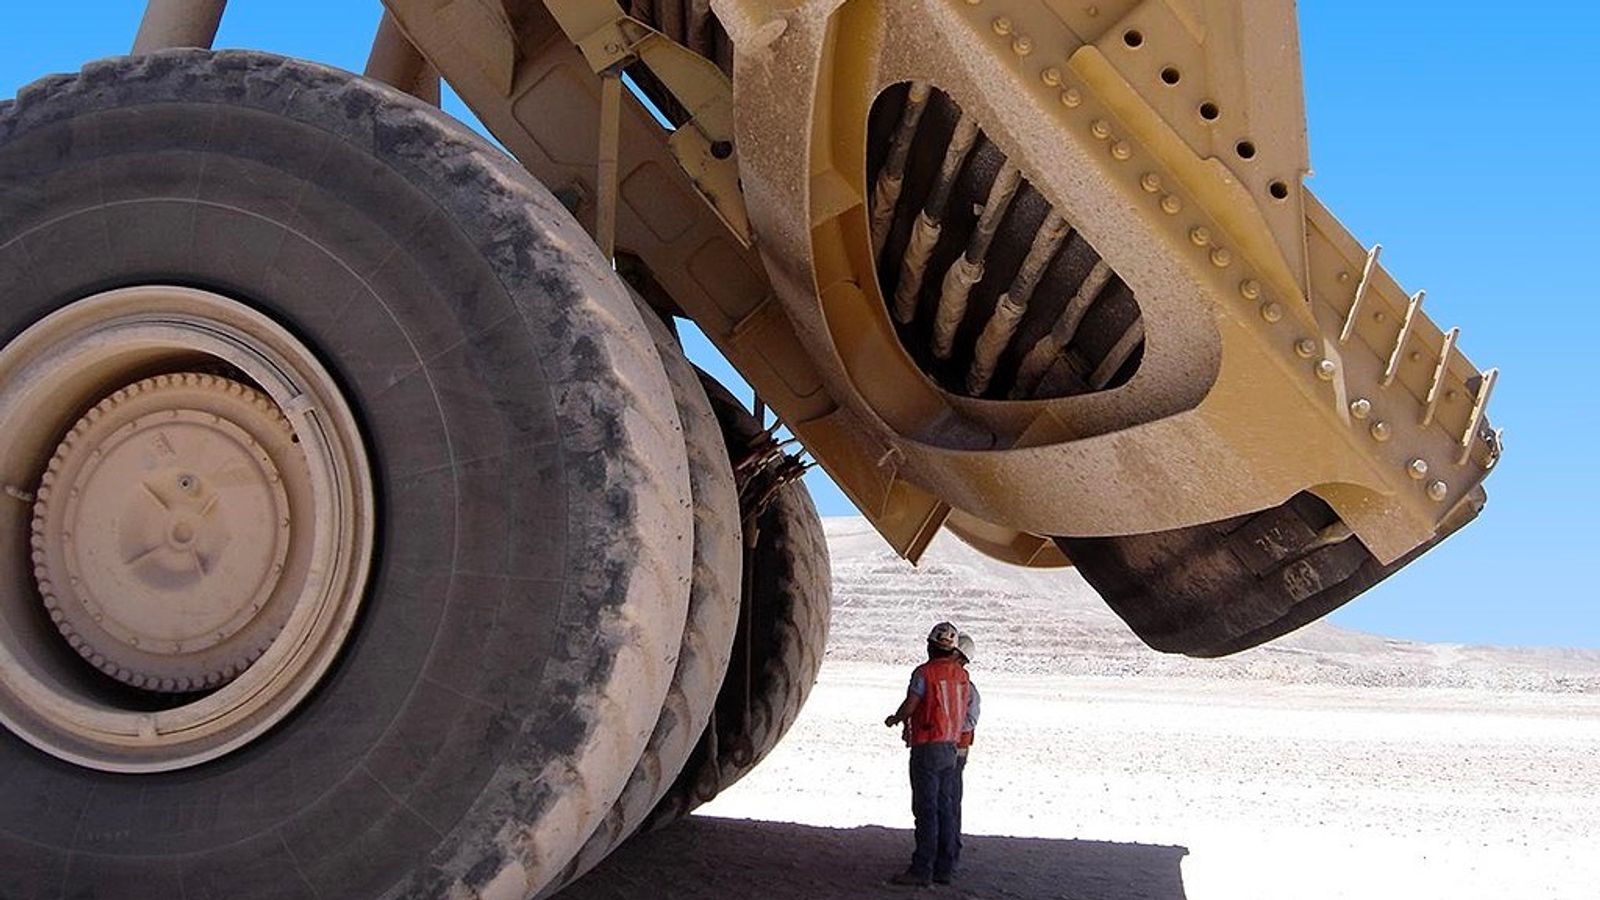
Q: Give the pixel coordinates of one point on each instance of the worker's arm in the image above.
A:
(914, 692)
(907, 707)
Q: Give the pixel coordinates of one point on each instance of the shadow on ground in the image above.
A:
(704, 858)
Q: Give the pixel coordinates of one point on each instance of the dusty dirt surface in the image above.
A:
(727, 858)
(1334, 764)
(1115, 789)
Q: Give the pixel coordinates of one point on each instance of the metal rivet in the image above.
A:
(1305, 347)
(1438, 490)
(1361, 407)
(1002, 25)
(1271, 311)
(1051, 76)
(1417, 468)
(1022, 45)
(1250, 289)
(1381, 431)
(1151, 182)
(1344, 277)
(1093, 11)
(1071, 97)
(1221, 257)
(1326, 369)
(1122, 150)
(1379, 317)
(1100, 129)
(1171, 205)
(1200, 235)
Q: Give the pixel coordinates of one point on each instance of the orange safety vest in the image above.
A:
(942, 712)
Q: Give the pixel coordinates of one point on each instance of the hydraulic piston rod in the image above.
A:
(178, 23)
(395, 61)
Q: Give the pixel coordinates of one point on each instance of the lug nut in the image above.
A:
(1417, 468)
(1361, 408)
(1381, 431)
(1437, 491)
(1305, 348)
(1326, 369)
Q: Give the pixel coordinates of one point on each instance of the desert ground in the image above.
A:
(1331, 764)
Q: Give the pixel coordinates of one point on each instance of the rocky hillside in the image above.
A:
(1051, 621)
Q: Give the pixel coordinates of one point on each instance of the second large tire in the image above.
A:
(783, 628)
(713, 611)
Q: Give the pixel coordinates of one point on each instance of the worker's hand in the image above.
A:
(891, 721)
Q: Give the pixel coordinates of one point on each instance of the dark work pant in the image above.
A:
(933, 796)
(960, 790)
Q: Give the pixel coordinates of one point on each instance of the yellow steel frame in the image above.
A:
(1280, 355)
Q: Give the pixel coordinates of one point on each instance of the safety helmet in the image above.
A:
(964, 646)
(943, 636)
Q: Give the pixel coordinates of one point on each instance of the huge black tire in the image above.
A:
(713, 612)
(783, 628)
(530, 582)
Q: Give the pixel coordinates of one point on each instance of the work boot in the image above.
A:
(909, 878)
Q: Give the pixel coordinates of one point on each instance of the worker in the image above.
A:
(965, 648)
(934, 711)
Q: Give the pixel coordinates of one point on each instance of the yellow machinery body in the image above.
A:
(1253, 352)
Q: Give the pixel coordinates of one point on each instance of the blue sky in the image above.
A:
(1463, 142)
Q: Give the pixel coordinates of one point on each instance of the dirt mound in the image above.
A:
(1052, 622)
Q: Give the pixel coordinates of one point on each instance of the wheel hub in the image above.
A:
(162, 529)
(202, 536)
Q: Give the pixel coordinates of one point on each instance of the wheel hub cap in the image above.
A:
(162, 528)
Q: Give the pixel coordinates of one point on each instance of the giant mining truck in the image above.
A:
(369, 534)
